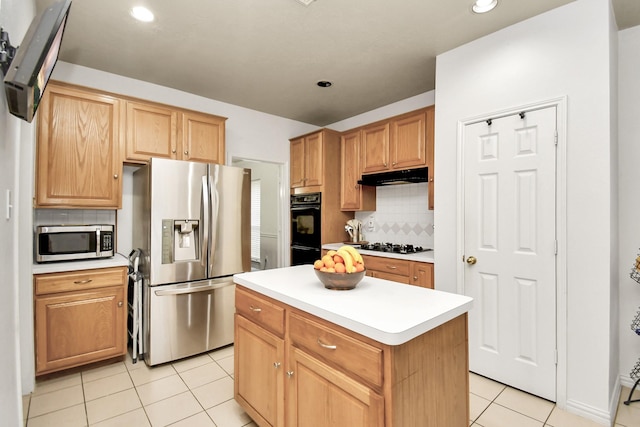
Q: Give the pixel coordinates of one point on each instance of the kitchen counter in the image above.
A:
(118, 260)
(385, 311)
(426, 256)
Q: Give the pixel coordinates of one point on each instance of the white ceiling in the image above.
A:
(267, 55)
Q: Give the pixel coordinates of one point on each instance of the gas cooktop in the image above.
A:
(393, 247)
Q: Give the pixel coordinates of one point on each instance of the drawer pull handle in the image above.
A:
(255, 309)
(276, 365)
(392, 267)
(327, 346)
(83, 282)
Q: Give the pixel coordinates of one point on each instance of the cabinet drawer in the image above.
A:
(387, 265)
(79, 280)
(341, 350)
(260, 311)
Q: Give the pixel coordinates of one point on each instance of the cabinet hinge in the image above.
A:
(555, 247)
(555, 137)
(555, 356)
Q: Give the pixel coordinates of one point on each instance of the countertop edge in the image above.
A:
(427, 256)
(118, 260)
(383, 337)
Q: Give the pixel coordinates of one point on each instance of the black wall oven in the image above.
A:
(305, 228)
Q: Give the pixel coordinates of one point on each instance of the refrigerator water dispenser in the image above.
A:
(180, 240)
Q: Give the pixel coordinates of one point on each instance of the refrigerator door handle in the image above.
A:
(215, 207)
(205, 220)
(192, 290)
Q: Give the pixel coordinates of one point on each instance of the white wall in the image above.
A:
(16, 138)
(629, 195)
(565, 52)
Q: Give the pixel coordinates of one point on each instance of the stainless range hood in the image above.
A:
(405, 176)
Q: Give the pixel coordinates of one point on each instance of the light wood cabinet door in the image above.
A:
(76, 328)
(408, 144)
(350, 194)
(421, 274)
(259, 373)
(430, 136)
(320, 396)
(375, 147)
(297, 161)
(152, 131)
(78, 161)
(314, 169)
(202, 138)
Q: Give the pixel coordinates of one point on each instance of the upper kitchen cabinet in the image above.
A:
(152, 131)
(315, 162)
(353, 196)
(78, 162)
(203, 137)
(397, 143)
(156, 130)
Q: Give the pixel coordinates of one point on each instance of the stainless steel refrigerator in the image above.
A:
(191, 223)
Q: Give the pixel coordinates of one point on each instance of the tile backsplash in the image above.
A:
(402, 216)
(73, 216)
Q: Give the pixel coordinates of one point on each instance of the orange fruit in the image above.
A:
(331, 270)
(331, 252)
(328, 261)
(318, 264)
(340, 268)
(323, 269)
(359, 267)
(338, 259)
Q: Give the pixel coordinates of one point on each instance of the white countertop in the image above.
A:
(388, 312)
(118, 260)
(420, 256)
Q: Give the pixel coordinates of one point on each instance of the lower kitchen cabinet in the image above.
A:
(80, 317)
(294, 369)
(259, 382)
(344, 401)
(421, 274)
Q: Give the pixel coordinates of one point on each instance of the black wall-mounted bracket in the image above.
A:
(7, 51)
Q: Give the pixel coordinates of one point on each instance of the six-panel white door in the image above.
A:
(510, 234)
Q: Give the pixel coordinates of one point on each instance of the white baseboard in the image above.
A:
(594, 414)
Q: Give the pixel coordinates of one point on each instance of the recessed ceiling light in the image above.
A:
(306, 2)
(142, 14)
(324, 83)
(482, 6)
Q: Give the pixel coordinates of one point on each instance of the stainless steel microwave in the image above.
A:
(73, 242)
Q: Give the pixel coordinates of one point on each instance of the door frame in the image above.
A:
(283, 205)
(560, 104)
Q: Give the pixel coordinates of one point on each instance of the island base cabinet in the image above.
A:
(321, 396)
(259, 380)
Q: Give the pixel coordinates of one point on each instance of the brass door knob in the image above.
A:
(471, 260)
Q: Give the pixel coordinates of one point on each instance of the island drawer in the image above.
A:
(388, 265)
(52, 283)
(260, 311)
(341, 350)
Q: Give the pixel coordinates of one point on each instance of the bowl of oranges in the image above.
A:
(340, 270)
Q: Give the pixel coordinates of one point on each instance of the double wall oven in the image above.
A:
(305, 228)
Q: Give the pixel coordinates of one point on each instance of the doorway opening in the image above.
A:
(267, 217)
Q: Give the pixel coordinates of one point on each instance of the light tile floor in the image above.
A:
(198, 392)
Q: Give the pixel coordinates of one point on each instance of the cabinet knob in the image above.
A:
(119, 303)
(173, 151)
(393, 164)
(115, 176)
(415, 278)
(431, 180)
(385, 164)
(289, 374)
(356, 186)
(276, 365)
(186, 153)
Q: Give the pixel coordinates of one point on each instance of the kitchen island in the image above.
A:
(382, 354)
